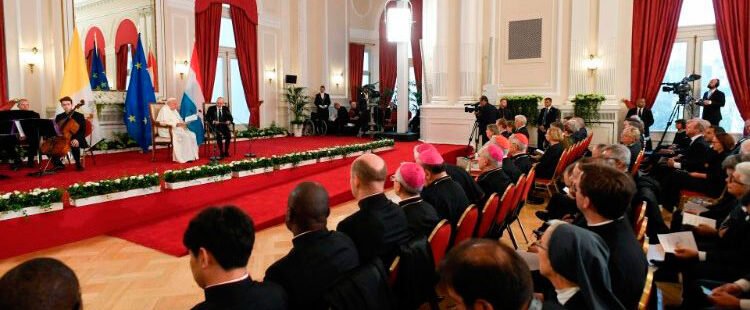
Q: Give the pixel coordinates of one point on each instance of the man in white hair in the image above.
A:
(185, 145)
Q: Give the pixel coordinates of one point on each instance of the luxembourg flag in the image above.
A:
(192, 99)
(76, 85)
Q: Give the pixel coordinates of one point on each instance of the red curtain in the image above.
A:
(246, 39)
(121, 58)
(356, 59)
(654, 32)
(387, 57)
(416, 35)
(4, 104)
(207, 26)
(89, 60)
(733, 30)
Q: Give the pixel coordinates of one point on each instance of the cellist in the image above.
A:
(78, 140)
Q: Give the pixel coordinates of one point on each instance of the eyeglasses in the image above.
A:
(734, 180)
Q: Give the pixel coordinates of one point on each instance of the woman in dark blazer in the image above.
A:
(545, 169)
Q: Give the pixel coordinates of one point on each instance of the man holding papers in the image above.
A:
(183, 140)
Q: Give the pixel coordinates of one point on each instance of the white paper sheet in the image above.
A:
(695, 220)
(683, 239)
(694, 206)
(655, 253)
(531, 259)
(191, 118)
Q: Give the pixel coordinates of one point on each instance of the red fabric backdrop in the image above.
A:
(246, 40)
(95, 35)
(387, 57)
(416, 35)
(121, 60)
(4, 104)
(207, 27)
(654, 32)
(356, 59)
(733, 30)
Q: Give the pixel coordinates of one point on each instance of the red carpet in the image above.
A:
(158, 220)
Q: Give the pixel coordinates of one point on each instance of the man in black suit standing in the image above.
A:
(408, 181)
(78, 140)
(379, 227)
(503, 112)
(547, 116)
(318, 256)
(218, 118)
(603, 194)
(646, 117)
(322, 102)
(219, 242)
(486, 114)
(713, 100)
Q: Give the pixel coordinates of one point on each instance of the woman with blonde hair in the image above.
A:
(547, 164)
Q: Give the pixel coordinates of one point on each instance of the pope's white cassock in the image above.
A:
(185, 146)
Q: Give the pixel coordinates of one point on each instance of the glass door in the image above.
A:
(228, 84)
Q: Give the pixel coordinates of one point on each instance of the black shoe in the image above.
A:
(226, 154)
(79, 167)
(542, 215)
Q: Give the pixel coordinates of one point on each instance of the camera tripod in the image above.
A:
(675, 112)
(474, 136)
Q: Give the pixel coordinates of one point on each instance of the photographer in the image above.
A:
(486, 114)
(713, 100)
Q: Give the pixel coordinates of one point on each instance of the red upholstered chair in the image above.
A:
(506, 207)
(488, 215)
(647, 289)
(551, 183)
(637, 164)
(393, 270)
(641, 225)
(439, 240)
(640, 213)
(466, 224)
(686, 195)
(515, 210)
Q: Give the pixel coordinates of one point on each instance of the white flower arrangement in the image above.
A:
(103, 187)
(38, 197)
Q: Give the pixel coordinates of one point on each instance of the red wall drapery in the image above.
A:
(654, 32)
(733, 30)
(387, 57)
(207, 27)
(121, 59)
(416, 35)
(246, 41)
(4, 104)
(356, 63)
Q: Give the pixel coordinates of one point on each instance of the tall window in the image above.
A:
(413, 107)
(696, 50)
(228, 83)
(366, 68)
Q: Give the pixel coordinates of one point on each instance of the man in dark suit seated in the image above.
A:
(492, 179)
(342, 118)
(486, 274)
(218, 118)
(603, 194)
(732, 295)
(519, 125)
(510, 169)
(441, 191)
(30, 133)
(78, 141)
(408, 181)
(644, 114)
(357, 117)
(547, 116)
(693, 159)
(630, 138)
(517, 152)
(220, 241)
(40, 283)
(379, 227)
(713, 100)
(459, 175)
(318, 256)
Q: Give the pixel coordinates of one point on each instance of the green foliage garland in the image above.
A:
(38, 197)
(586, 106)
(271, 131)
(526, 105)
(103, 187)
(197, 172)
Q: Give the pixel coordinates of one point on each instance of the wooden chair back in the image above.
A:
(647, 288)
(439, 240)
(637, 164)
(466, 224)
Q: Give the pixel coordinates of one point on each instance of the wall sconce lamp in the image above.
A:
(398, 22)
(338, 79)
(592, 63)
(182, 68)
(31, 57)
(270, 75)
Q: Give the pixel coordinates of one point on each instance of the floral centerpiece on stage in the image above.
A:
(39, 200)
(197, 175)
(108, 190)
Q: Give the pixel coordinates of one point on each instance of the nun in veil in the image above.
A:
(575, 261)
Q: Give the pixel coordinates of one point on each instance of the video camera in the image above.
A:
(682, 89)
(471, 107)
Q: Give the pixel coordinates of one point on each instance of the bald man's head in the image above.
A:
(368, 175)
(307, 208)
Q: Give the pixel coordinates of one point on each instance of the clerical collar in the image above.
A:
(602, 223)
(488, 172)
(410, 201)
(563, 295)
(304, 233)
(447, 177)
(228, 282)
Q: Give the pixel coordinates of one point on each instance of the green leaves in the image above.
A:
(17, 200)
(526, 105)
(271, 131)
(297, 100)
(103, 187)
(586, 106)
(197, 172)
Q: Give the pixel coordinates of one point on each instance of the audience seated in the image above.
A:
(441, 191)
(510, 169)
(692, 159)
(503, 126)
(459, 174)
(681, 139)
(220, 241)
(575, 262)
(342, 118)
(318, 256)
(745, 136)
(520, 126)
(379, 227)
(603, 194)
(491, 132)
(486, 274)
(40, 284)
(562, 205)
(597, 150)
(732, 295)
(712, 131)
(630, 138)
(517, 153)
(421, 216)
(546, 167)
(492, 179)
(573, 130)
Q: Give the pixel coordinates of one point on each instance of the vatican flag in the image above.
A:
(76, 85)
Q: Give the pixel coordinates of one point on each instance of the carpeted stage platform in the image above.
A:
(158, 221)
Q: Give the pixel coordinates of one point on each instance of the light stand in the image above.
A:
(474, 136)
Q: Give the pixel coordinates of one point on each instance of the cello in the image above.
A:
(59, 146)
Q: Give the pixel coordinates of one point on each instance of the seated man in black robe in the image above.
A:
(342, 117)
(492, 179)
(517, 153)
(441, 191)
(459, 175)
(408, 181)
(318, 256)
(219, 242)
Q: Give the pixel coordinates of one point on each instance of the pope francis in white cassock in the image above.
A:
(185, 145)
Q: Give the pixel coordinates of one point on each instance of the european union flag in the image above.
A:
(98, 78)
(140, 94)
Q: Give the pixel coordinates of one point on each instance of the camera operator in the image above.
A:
(713, 100)
(486, 114)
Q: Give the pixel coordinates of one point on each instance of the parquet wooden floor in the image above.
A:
(116, 274)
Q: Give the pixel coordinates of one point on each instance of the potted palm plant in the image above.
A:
(297, 100)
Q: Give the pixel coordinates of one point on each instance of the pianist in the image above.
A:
(14, 120)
